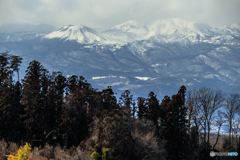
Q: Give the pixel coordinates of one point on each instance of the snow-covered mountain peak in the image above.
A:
(80, 33)
(128, 25)
(235, 26)
(75, 28)
(174, 22)
(167, 26)
(131, 27)
(233, 29)
(184, 32)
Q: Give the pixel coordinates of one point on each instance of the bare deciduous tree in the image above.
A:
(209, 100)
(202, 105)
(219, 123)
(232, 107)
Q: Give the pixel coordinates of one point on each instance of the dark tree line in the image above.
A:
(50, 108)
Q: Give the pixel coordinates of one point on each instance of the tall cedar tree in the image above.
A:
(177, 138)
(142, 107)
(154, 111)
(58, 87)
(48, 109)
(34, 100)
(9, 115)
(10, 95)
(5, 95)
(108, 99)
(163, 117)
(15, 63)
(77, 106)
(17, 111)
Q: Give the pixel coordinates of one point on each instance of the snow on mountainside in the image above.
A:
(81, 34)
(184, 32)
(132, 27)
(233, 29)
(127, 32)
(161, 31)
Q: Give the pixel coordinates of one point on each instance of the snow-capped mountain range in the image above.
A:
(161, 31)
(157, 56)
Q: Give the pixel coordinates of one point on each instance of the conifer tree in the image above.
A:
(7, 108)
(177, 138)
(34, 101)
(60, 85)
(108, 99)
(72, 83)
(78, 105)
(142, 107)
(4, 68)
(15, 63)
(17, 110)
(154, 111)
(3, 76)
(163, 117)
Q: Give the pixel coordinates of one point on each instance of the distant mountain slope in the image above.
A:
(157, 56)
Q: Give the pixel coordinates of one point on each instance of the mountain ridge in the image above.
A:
(164, 31)
(135, 56)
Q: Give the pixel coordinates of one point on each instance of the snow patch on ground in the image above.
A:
(145, 78)
(93, 78)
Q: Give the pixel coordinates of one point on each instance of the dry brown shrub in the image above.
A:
(35, 154)
(60, 154)
(47, 151)
(147, 144)
(71, 150)
(3, 149)
(79, 155)
(12, 148)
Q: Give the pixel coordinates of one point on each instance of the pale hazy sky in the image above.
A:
(108, 13)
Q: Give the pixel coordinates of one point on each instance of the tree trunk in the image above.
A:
(230, 133)
(217, 136)
(208, 132)
(18, 75)
(205, 132)
(189, 119)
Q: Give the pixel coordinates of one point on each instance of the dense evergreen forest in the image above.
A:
(47, 109)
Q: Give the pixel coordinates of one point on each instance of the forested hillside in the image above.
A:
(47, 109)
